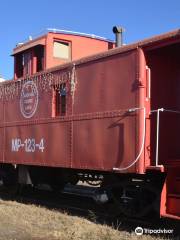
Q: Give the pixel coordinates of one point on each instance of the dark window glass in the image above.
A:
(39, 54)
(61, 100)
(19, 65)
(27, 63)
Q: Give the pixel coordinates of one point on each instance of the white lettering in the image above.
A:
(16, 143)
(29, 145)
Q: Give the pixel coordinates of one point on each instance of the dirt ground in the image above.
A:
(29, 222)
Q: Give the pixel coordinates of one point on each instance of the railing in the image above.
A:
(157, 129)
(143, 139)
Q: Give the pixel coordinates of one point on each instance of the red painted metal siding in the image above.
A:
(103, 85)
(80, 47)
(97, 132)
(56, 144)
(104, 143)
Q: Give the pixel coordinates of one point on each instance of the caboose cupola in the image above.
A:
(54, 48)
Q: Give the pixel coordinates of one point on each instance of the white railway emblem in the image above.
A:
(29, 99)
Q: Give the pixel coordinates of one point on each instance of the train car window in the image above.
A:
(27, 56)
(39, 54)
(61, 50)
(19, 65)
(61, 100)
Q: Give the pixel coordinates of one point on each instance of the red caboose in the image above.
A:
(113, 114)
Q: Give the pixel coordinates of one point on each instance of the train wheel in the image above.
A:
(135, 198)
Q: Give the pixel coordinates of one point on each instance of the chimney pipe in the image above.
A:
(118, 31)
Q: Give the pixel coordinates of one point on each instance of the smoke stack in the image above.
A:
(118, 31)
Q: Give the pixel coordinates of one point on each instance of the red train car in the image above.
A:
(114, 114)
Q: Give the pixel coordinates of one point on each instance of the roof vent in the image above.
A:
(118, 31)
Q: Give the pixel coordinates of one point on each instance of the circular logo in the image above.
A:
(29, 99)
(139, 231)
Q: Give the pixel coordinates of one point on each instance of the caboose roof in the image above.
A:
(148, 43)
(81, 34)
(41, 40)
(29, 44)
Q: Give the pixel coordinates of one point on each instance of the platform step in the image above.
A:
(80, 190)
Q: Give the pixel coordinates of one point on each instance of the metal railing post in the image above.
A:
(157, 138)
(157, 134)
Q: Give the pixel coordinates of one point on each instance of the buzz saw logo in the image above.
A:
(29, 99)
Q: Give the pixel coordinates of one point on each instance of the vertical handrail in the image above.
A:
(157, 135)
(157, 130)
(143, 139)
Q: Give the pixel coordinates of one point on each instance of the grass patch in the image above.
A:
(29, 222)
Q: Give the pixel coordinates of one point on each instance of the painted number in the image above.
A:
(29, 145)
(41, 145)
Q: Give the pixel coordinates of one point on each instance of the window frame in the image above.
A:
(70, 49)
(60, 101)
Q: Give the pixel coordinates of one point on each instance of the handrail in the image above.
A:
(157, 129)
(143, 139)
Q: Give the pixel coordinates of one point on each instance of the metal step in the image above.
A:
(80, 190)
(95, 193)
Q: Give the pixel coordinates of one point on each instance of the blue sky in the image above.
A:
(140, 18)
